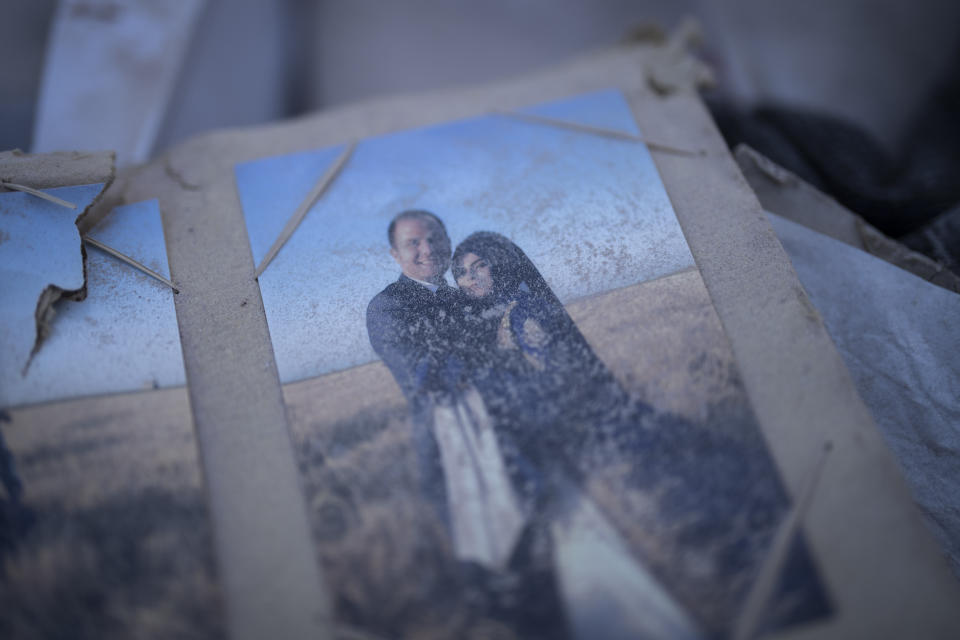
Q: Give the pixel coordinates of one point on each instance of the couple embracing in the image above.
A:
(509, 405)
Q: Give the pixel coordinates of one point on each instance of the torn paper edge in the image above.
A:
(45, 312)
(41, 172)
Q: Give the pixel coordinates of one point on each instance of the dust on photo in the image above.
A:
(537, 429)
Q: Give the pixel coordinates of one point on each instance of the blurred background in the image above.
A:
(859, 97)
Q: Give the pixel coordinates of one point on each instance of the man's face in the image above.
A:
(421, 248)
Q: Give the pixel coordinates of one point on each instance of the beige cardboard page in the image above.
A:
(881, 568)
(48, 170)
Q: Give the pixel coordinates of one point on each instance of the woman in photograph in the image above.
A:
(538, 375)
(560, 415)
(557, 411)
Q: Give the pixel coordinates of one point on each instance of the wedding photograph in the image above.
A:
(425, 320)
(547, 430)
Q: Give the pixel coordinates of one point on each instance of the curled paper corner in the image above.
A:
(747, 156)
(671, 66)
(42, 255)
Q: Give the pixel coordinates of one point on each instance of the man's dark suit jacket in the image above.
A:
(415, 332)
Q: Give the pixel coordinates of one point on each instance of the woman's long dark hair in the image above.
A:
(509, 266)
(572, 404)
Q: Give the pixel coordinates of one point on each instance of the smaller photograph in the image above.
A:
(104, 529)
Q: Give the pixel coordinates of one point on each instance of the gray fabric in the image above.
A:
(900, 338)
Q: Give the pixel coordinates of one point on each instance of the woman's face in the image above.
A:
(474, 276)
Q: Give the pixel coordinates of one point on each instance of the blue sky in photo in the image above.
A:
(39, 247)
(590, 211)
(124, 335)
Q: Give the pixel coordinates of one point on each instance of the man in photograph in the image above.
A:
(416, 325)
(412, 327)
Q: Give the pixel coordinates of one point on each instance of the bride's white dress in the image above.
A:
(605, 589)
(485, 514)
